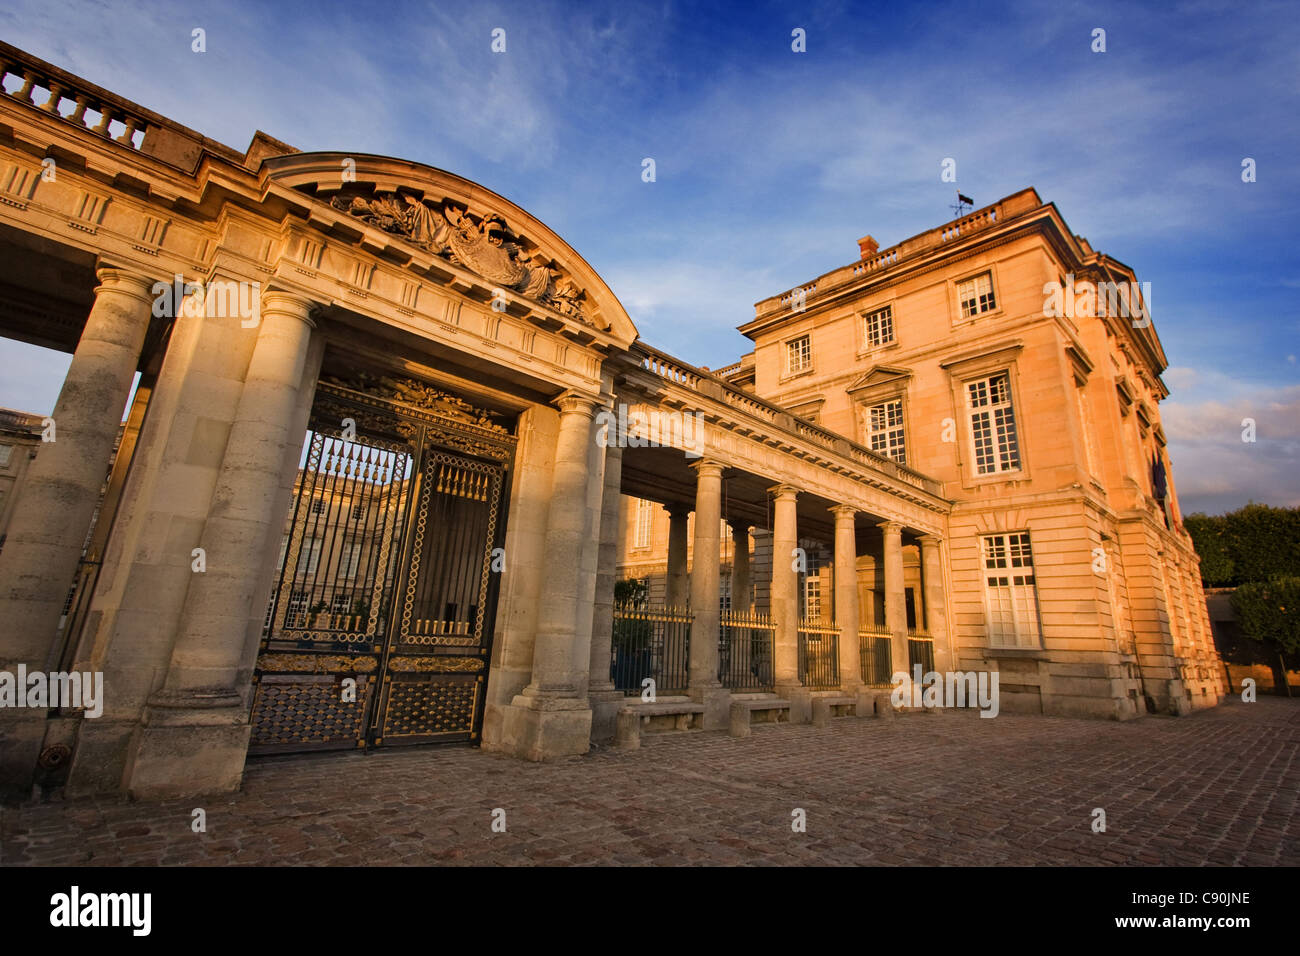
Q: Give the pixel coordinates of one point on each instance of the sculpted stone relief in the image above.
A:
(484, 247)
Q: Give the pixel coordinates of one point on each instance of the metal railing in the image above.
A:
(819, 655)
(920, 650)
(876, 656)
(654, 643)
(745, 643)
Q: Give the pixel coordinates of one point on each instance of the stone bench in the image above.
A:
(635, 718)
(742, 712)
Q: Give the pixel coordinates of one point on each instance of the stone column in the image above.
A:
(679, 584)
(895, 596)
(785, 603)
(936, 617)
(54, 509)
(195, 733)
(705, 574)
(740, 599)
(53, 512)
(605, 699)
(846, 596)
(552, 717)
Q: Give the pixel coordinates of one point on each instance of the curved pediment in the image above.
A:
(462, 223)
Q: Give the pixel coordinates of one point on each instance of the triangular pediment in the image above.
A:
(880, 375)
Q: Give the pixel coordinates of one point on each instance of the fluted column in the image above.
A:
(895, 596)
(705, 576)
(679, 584)
(740, 599)
(936, 617)
(846, 595)
(54, 509)
(785, 605)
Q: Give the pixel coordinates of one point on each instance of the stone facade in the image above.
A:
(396, 331)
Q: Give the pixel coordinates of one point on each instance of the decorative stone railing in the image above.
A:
(85, 106)
(678, 372)
(907, 250)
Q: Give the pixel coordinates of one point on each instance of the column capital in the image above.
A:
(575, 402)
(280, 302)
(890, 527)
(930, 540)
(784, 491)
(677, 509)
(739, 528)
(707, 466)
(843, 512)
(126, 281)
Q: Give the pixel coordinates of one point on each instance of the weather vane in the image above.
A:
(962, 204)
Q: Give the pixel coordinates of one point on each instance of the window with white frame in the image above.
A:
(976, 295)
(884, 428)
(351, 559)
(6, 452)
(878, 328)
(358, 511)
(318, 506)
(307, 562)
(1010, 595)
(993, 425)
(644, 519)
(341, 603)
(798, 354)
(296, 612)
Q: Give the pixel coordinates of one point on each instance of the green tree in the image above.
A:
(1209, 537)
(1269, 612)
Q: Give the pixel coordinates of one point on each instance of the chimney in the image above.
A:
(867, 247)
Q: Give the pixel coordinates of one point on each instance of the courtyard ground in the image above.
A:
(1217, 787)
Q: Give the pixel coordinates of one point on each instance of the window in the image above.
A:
(976, 295)
(308, 561)
(993, 425)
(5, 452)
(878, 328)
(270, 612)
(798, 355)
(884, 428)
(724, 594)
(644, 518)
(351, 558)
(341, 604)
(359, 511)
(318, 506)
(296, 613)
(1010, 595)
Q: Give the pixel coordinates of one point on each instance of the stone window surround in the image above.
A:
(786, 372)
(954, 304)
(967, 368)
(864, 346)
(984, 571)
(894, 388)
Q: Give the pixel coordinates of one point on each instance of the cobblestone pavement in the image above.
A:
(1217, 787)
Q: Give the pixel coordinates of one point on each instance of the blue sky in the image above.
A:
(771, 164)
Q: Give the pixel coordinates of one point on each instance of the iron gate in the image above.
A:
(379, 627)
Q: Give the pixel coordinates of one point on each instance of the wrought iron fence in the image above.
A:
(876, 656)
(819, 655)
(920, 650)
(654, 643)
(745, 651)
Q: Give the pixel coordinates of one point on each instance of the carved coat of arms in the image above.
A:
(484, 247)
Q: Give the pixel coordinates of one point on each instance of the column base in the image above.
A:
(800, 699)
(101, 756)
(541, 728)
(188, 746)
(717, 705)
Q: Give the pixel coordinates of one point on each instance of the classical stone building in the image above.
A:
(368, 491)
(1004, 357)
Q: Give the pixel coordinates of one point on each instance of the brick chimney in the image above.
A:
(867, 247)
